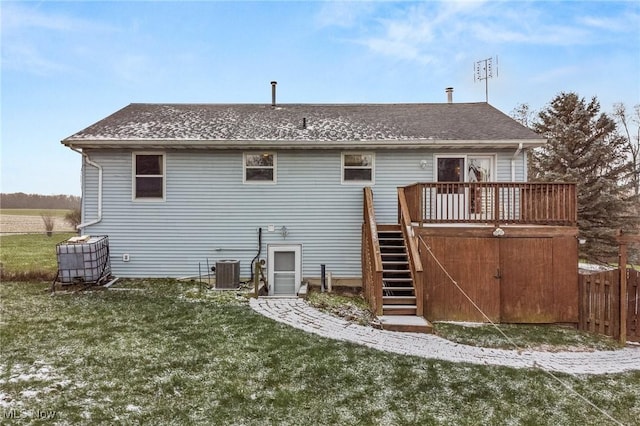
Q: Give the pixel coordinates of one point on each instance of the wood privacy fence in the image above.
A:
(601, 309)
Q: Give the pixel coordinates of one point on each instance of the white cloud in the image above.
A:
(556, 74)
(24, 56)
(424, 31)
(342, 14)
(17, 17)
(33, 38)
(628, 22)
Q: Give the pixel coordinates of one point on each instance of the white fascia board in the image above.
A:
(271, 144)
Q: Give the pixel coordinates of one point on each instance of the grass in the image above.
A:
(525, 336)
(29, 257)
(545, 337)
(164, 352)
(35, 212)
(352, 307)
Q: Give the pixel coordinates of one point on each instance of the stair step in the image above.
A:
(387, 288)
(399, 309)
(406, 323)
(396, 271)
(397, 280)
(399, 300)
(395, 262)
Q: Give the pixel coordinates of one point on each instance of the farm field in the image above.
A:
(27, 221)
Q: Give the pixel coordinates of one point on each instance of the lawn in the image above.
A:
(162, 352)
(30, 256)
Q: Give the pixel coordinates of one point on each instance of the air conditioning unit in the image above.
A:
(227, 274)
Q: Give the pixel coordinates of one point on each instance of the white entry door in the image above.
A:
(459, 201)
(284, 267)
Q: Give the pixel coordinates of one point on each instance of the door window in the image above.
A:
(284, 265)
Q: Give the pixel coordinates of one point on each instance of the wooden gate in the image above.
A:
(523, 278)
(600, 304)
(526, 289)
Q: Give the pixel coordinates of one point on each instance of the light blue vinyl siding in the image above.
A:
(209, 214)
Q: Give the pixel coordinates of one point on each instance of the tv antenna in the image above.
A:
(483, 70)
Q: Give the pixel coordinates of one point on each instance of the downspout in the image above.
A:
(513, 163)
(99, 167)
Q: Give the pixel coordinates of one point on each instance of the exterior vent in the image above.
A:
(227, 273)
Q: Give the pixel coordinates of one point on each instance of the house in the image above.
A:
(179, 187)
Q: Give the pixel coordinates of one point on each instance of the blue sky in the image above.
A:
(66, 65)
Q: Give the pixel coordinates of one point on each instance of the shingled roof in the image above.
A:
(304, 125)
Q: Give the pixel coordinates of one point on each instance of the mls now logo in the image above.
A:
(44, 415)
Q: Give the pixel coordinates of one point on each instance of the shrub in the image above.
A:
(74, 217)
(48, 223)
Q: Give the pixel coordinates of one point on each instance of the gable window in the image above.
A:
(260, 168)
(358, 167)
(149, 176)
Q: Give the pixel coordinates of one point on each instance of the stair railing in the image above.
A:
(371, 256)
(415, 263)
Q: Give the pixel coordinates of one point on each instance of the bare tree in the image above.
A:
(523, 114)
(628, 121)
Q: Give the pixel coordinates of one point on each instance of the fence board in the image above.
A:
(633, 305)
(600, 303)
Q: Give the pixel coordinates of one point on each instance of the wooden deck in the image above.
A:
(510, 247)
(492, 202)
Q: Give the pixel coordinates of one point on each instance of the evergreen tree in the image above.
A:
(585, 147)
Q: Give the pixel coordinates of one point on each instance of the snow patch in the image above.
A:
(591, 267)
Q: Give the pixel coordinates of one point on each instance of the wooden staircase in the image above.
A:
(399, 310)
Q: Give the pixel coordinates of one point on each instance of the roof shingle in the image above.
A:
(305, 122)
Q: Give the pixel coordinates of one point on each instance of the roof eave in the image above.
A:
(277, 144)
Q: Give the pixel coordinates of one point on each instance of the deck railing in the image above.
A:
(413, 254)
(371, 256)
(493, 202)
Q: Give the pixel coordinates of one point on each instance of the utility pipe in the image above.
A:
(513, 163)
(99, 167)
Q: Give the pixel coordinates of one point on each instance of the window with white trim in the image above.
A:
(358, 167)
(149, 176)
(260, 167)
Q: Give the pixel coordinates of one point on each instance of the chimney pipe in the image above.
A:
(449, 91)
(273, 93)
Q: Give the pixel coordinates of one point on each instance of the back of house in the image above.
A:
(179, 188)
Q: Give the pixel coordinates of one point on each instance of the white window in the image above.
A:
(358, 167)
(148, 176)
(260, 167)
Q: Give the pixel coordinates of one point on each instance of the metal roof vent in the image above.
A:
(449, 91)
(273, 93)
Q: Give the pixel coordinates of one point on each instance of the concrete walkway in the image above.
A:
(297, 313)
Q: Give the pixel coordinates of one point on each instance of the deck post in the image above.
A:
(624, 304)
(496, 206)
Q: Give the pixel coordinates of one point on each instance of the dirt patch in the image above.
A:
(19, 224)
